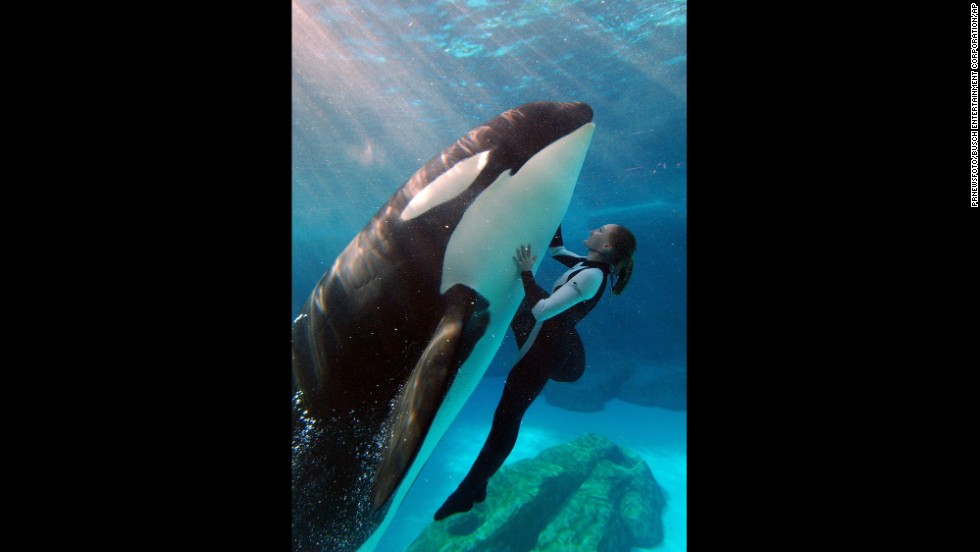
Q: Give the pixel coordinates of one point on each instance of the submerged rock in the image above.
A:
(610, 377)
(603, 376)
(663, 386)
(586, 495)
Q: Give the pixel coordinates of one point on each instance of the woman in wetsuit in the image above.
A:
(549, 346)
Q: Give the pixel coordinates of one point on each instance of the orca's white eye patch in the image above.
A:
(449, 185)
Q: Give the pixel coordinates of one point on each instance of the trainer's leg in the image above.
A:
(574, 365)
(523, 321)
(525, 382)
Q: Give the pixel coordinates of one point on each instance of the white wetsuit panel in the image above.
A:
(582, 287)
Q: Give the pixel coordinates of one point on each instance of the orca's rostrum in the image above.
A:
(395, 337)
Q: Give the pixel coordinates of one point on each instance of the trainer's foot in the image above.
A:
(461, 501)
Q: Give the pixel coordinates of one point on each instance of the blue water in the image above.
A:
(380, 87)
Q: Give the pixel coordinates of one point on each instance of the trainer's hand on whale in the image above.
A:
(524, 259)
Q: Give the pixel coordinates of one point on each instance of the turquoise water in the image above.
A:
(658, 435)
(379, 88)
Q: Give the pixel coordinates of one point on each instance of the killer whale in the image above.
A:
(396, 335)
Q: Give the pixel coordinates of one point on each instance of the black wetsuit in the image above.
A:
(555, 351)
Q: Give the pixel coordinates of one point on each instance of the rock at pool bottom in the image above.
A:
(586, 495)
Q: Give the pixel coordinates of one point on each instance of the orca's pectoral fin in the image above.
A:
(464, 320)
